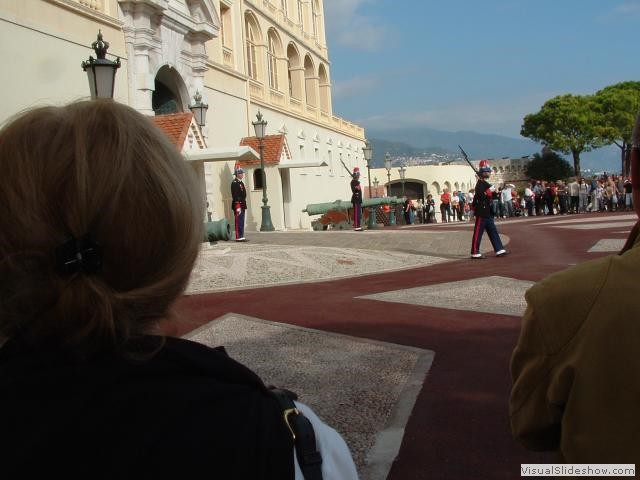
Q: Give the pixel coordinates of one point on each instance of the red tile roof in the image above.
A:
(175, 126)
(274, 145)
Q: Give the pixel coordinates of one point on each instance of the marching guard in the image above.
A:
(484, 192)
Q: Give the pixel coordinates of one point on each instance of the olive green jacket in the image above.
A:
(576, 367)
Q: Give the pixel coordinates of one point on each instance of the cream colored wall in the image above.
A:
(226, 119)
(218, 177)
(53, 42)
(268, 15)
(254, 200)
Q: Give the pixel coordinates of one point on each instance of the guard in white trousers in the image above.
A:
(239, 203)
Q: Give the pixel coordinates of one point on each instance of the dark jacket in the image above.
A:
(482, 199)
(356, 191)
(238, 194)
(188, 412)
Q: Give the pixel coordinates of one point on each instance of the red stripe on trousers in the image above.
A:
(474, 242)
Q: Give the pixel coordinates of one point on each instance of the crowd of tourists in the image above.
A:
(604, 193)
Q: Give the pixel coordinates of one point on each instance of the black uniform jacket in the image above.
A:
(482, 199)
(189, 411)
(238, 194)
(356, 196)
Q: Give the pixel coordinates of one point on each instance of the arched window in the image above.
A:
(314, 17)
(257, 179)
(309, 82)
(170, 92)
(294, 72)
(436, 187)
(272, 58)
(301, 13)
(253, 37)
(226, 35)
(325, 91)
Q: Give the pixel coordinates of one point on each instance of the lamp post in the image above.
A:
(101, 72)
(199, 109)
(402, 171)
(387, 166)
(260, 127)
(392, 210)
(367, 150)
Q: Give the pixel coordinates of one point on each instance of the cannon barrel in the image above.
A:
(374, 202)
(321, 208)
(218, 230)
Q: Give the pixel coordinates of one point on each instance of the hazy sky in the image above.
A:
(473, 64)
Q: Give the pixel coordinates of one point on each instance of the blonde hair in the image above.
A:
(98, 168)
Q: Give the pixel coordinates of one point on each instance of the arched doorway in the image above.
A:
(170, 94)
(412, 190)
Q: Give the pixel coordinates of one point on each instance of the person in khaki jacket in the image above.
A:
(576, 367)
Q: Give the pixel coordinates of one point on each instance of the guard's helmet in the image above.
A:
(238, 171)
(356, 171)
(484, 167)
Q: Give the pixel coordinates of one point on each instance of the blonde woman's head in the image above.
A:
(98, 170)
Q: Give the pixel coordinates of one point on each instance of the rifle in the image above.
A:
(347, 169)
(464, 154)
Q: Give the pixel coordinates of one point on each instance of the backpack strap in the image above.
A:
(304, 438)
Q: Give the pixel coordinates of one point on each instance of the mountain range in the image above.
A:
(416, 142)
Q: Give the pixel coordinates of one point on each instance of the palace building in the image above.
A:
(240, 56)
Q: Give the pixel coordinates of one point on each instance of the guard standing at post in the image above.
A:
(356, 199)
(484, 192)
(239, 202)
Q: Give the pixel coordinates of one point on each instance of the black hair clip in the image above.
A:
(79, 255)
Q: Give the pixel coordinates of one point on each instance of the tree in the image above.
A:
(549, 166)
(566, 124)
(617, 107)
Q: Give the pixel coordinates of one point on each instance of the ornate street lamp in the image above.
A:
(402, 171)
(260, 127)
(368, 153)
(387, 166)
(100, 71)
(199, 109)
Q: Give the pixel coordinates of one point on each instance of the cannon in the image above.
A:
(218, 230)
(338, 214)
